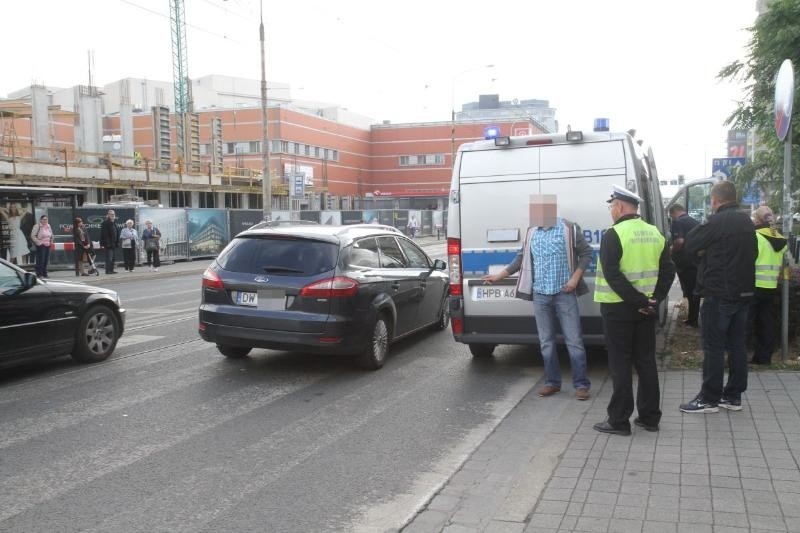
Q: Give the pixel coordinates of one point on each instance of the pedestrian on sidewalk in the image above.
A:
(83, 246)
(681, 225)
(42, 237)
(413, 226)
(762, 318)
(152, 238)
(109, 237)
(634, 274)
(127, 239)
(727, 248)
(554, 256)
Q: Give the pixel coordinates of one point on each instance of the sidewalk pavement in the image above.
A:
(167, 270)
(544, 469)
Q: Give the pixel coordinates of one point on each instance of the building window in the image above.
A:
(317, 152)
(180, 199)
(255, 201)
(289, 147)
(423, 159)
(244, 147)
(207, 199)
(233, 200)
(276, 146)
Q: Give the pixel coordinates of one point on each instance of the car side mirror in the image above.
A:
(438, 264)
(28, 280)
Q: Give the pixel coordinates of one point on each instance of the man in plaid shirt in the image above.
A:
(554, 256)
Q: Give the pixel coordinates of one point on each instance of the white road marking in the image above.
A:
(174, 293)
(130, 340)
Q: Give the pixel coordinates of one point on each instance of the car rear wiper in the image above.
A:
(273, 268)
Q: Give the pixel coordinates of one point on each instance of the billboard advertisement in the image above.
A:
(173, 244)
(242, 219)
(16, 222)
(208, 231)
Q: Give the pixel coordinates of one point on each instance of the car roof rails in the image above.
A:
(382, 227)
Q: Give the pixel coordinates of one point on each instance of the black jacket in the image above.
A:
(726, 246)
(109, 234)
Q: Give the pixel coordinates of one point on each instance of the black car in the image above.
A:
(333, 289)
(40, 318)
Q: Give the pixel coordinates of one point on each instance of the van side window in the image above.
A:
(364, 254)
(698, 203)
(391, 255)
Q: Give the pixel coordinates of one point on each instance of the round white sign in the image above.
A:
(784, 98)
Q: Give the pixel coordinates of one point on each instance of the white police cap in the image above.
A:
(618, 193)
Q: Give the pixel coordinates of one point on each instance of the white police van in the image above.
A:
(488, 216)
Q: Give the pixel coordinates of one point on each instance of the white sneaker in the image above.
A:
(155, 269)
(150, 268)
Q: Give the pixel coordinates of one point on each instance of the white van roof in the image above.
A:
(554, 138)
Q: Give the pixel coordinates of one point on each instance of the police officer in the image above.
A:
(634, 273)
(771, 249)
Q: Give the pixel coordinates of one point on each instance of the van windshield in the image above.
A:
(279, 256)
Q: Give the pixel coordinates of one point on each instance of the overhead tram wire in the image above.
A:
(193, 26)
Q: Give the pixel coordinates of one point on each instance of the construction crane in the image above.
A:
(180, 79)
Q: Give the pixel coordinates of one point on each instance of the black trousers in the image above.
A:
(631, 344)
(762, 324)
(109, 261)
(129, 256)
(688, 279)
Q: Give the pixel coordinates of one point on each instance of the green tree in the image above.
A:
(775, 37)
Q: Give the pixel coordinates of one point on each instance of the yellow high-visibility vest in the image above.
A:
(642, 245)
(768, 262)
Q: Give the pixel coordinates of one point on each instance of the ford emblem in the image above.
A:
(262, 279)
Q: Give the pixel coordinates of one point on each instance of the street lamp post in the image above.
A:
(453, 109)
(266, 178)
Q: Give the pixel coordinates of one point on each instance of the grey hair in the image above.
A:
(129, 220)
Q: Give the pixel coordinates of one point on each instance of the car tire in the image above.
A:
(444, 318)
(481, 350)
(234, 352)
(97, 336)
(374, 354)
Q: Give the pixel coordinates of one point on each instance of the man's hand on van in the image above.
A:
(491, 278)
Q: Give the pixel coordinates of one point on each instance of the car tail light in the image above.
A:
(330, 288)
(454, 266)
(211, 279)
(201, 327)
(457, 325)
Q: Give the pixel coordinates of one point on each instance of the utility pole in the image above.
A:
(266, 179)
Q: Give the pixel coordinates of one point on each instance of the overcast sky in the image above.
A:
(645, 64)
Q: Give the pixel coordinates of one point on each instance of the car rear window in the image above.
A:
(279, 256)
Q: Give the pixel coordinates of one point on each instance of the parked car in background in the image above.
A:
(330, 289)
(40, 319)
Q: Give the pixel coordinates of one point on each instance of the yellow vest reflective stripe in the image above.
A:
(642, 245)
(768, 262)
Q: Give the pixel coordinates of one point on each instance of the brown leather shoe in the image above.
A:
(582, 394)
(549, 390)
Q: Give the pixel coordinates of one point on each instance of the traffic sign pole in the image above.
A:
(784, 100)
(787, 230)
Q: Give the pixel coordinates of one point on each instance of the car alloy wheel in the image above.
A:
(377, 345)
(97, 335)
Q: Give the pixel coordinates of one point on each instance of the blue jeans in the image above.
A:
(42, 259)
(724, 325)
(564, 308)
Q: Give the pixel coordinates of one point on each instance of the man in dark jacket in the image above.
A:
(551, 264)
(727, 248)
(109, 236)
(681, 225)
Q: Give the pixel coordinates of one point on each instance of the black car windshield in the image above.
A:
(279, 256)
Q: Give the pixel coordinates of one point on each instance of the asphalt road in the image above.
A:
(168, 435)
